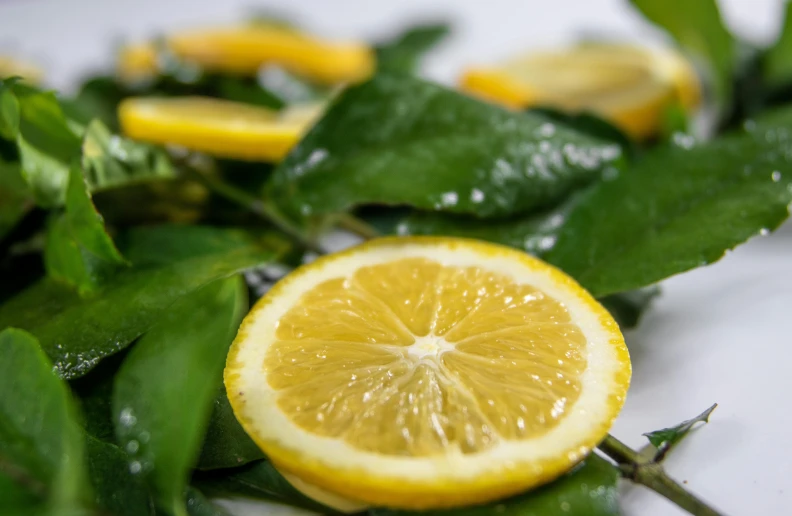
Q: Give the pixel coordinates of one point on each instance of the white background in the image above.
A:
(718, 334)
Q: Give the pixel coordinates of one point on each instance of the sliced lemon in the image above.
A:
(627, 85)
(427, 372)
(217, 127)
(244, 49)
(11, 67)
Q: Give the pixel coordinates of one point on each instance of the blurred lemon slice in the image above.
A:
(627, 85)
(244, 49)
(426, 372)
(10, 67)
(217, 127)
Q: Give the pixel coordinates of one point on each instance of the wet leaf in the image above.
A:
(589, 490)
(78, 332)
(403, 53)
(116, 490)
(162, 395)
(679, 207)
(259, 480)
(41, 443)
(226, 444)
(398, 140)
(664, 440)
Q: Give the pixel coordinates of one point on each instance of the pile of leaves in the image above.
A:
(125, 269)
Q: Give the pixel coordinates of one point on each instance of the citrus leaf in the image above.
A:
(226, 444)
(627, 307)
(777, 62)
(94, 392)
(403, 53)
(78, 332)
(41, 444)
(15, 198)
(678, 208)
(162, 395)
(399, 140)
(116, 490)
(199, 505)
(259, 480)
(664, 440)
(9, 112)
(698, 28)
(589, 490)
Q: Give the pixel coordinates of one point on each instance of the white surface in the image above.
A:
(718, 334)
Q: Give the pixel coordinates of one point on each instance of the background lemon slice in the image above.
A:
(427, 372)
(243, 49)
(627, 85)
(217, 127)
(11, 67)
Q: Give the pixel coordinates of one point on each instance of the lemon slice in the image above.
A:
(427, 372)
(10, 67)
(217, 127)
(243, 49)
(629, 86)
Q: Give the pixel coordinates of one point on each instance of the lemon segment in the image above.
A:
(427, 372)
(217, 127)
(629, 86)
(244, 49)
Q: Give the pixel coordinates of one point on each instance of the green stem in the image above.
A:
(652, 475)
(357, 226)
(255, 205)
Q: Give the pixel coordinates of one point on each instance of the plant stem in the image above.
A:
(255, 205)
(357, 226)
(652, 475)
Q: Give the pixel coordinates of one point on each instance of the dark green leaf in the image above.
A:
(777, 65)
(116, 490)
(399, 140)
(41, 444)
(589, 490)
(198, 505)
(9, 112)
(76, 333)
(226, 444)
(68, 262)
(590, 124)
(664, 440)
(162, 397)
(111, 161)
(698, 28)
(403, 53)
(259, 480)
(628, 307)
(97, 98)
(94, 391)
(15, 198)
(678, 208)
(247, 91)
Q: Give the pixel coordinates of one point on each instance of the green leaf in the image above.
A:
(9, 112)
(163, 393)
(116, 490)
(698, 28)
(247, 91)
(41, 444)
(110, 160)
(78, 332)
(664, 440)
(226, 444)
(259, 480)
(403, 53)
(399, 140)
(199, 505)
(94, 392)
(627, 307)
(589, 490)
(678, 208)
(777, 62)
(15, 198)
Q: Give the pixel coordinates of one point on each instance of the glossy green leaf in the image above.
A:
(116, 490)
(9, 112)
(110, 160)
(664, 440)
(41, 444)
(78, 332)
(399, 140)
(697, 26)
(403, 53)
(94, 392)
(259, 480)
(163, 393)
(678, 208)
(199, 505)
(627, 307)
(67, 262)
(777, 62)
(226, 444)
(589, 490)
(15, 197)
